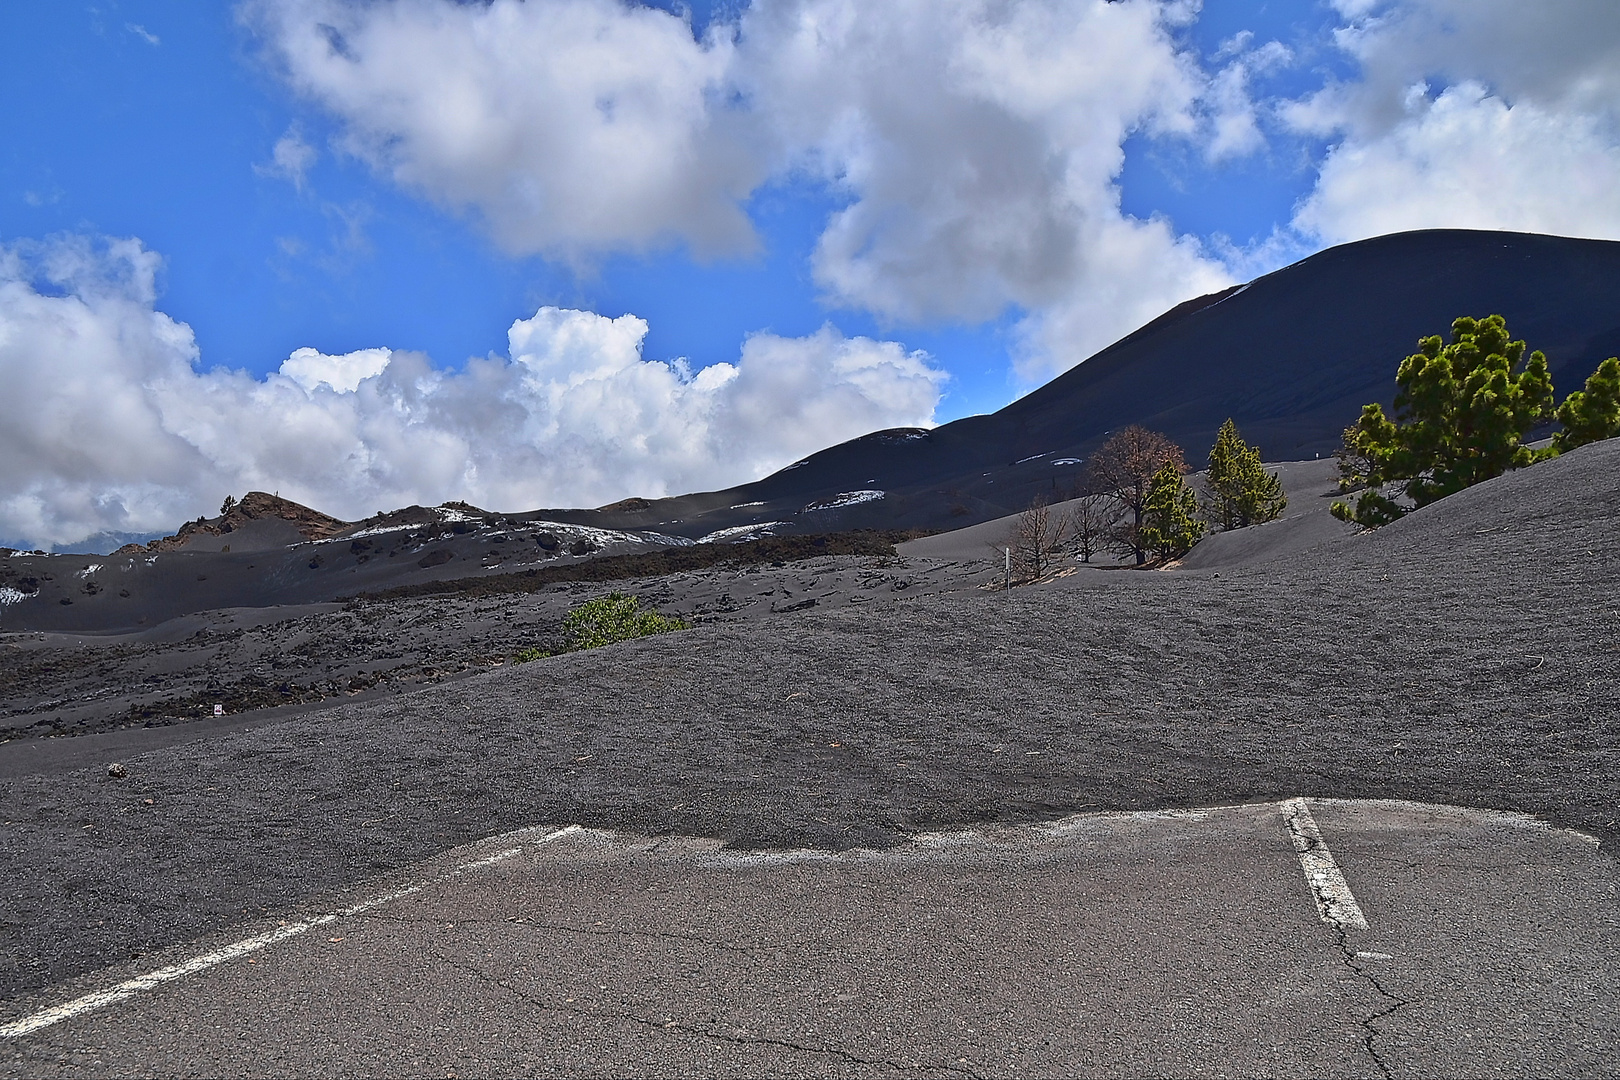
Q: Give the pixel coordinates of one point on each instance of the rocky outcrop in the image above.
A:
(255, 505)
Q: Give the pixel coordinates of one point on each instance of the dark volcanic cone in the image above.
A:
(1292, 357)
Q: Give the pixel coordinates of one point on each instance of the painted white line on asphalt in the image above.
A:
(130, 987)
(1333, 896)
(499, 856)
(100, 999)
(379, 901)
(1086, 822)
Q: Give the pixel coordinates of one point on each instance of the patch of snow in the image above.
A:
(452, 515)
(1032, 457)
(1068, 461)
(87, 571)
(567, 532)
(662, 538)
(796, 464)
(843, 499)
(744, 506)
(375, 530)
(8, 595)
(604, 537)
(740, 532)
(1237, 292)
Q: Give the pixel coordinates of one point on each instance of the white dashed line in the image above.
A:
(141, 983)
(1333, 896)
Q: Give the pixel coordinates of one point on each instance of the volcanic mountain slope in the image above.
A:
(259, 522)
(1292, 357)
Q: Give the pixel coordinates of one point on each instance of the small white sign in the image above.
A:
(219, 710)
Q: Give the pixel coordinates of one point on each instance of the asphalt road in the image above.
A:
(1123, 944)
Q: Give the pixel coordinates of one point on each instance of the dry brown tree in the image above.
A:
(1089, 522)
(1033, 542)
(1123, 468)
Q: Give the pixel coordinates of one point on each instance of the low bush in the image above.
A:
(614, 617)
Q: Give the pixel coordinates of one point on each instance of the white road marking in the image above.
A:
(130, 987)
(379, 901)
(1333, 896)
(499, 856)
(1086, 822)
(100, 999)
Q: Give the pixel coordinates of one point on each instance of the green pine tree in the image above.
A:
(1242, 493)
(1170, 524)
(1593, 413)
(1461, 413)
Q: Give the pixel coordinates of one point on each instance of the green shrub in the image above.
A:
(614, 617)
(524, 656)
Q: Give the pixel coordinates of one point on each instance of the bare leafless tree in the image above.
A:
(1035, 540)
(1122, 468)
(1089, 520)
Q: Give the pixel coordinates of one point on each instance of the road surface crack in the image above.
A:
(705, 1032)
(1370, 1023)
(1338, 907)
(587, 931)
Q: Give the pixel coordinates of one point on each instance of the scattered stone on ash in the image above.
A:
(117, 770)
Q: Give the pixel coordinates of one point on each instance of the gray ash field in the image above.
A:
(1462, 655)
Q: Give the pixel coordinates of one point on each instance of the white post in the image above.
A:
(1008, 585)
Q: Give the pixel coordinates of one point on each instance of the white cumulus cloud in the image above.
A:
(1468, 159)
(1469, 114)
(310, 368)
(108, 423)
(978, 142)
(975, 144)
(81, 348)
(569, 127)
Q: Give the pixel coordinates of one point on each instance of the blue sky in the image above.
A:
(128, 136)
(911, 212)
